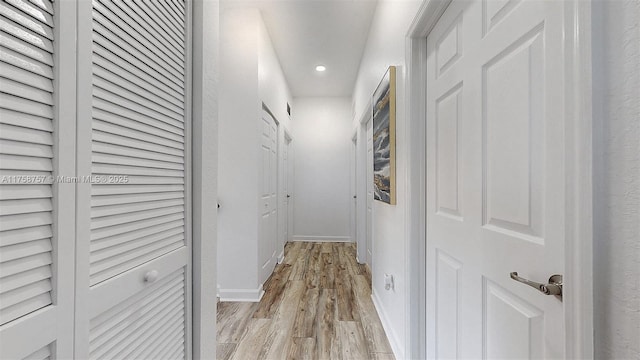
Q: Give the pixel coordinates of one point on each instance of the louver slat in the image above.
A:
(151, 320)
(138, 134)
(42, 354)
(151, 38)
(26, 155)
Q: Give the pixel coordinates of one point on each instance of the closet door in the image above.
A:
(36, 224)
(134, 243)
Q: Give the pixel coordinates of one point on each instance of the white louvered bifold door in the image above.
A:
(36, 237)
(134, 247)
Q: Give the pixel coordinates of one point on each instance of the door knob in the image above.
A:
(151, 276)
(288, 196)
(554, 287)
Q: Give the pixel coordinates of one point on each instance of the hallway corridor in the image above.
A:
(317, 305)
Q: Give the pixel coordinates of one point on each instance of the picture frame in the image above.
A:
(384, 138)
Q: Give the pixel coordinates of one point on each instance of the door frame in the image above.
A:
(365, 223)
(205, 32)
(577, 299)
(361, 184)
(287, 177)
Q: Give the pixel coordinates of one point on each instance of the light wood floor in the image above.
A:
(317, 305)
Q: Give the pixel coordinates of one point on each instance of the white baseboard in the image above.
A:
(315, 238)
(244, 295)
(281, 257)
(396, 347)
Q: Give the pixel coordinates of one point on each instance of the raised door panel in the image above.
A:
(510, 317)
(449, 282)
(448, 178)
(513, 146)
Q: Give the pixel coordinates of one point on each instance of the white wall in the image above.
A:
(249, 74)
(617, 197)
(237, 173)
(322, 174)
(274, 92)
(386, 46)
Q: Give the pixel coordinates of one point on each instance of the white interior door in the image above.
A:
(134, 250)
(354, 189)
(268, 197)
(286, 163)
(369, 170)
(290, 173)
(495, 183)
(36, 212)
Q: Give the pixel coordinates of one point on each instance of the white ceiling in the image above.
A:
(306, 33)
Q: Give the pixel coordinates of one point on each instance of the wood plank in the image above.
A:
(300, 262)
(292, 252)
(347, 305)
(327, 271)
(306, 315)
(374, 334)
(278, 338)
(353, 342)
(274, 292)
(312, 270)
(225, 351)
(382, 356)
(253, 339)
(348, 259)
(327, 343)
(298, 269)
(232, 319)
(302, 349)
(327, 248)
(367, 273)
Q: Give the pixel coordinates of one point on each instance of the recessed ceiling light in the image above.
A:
(321, 68)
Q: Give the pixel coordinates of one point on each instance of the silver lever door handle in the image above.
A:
(554, 287)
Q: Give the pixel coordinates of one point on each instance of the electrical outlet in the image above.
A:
(388, 282)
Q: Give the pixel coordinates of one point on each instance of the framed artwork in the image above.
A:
(384, 138)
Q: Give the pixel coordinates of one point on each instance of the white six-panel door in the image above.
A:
(495, 179)
(289, 174)
(134, 251)
(286, 164)
(36, 212)
(268, 230)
